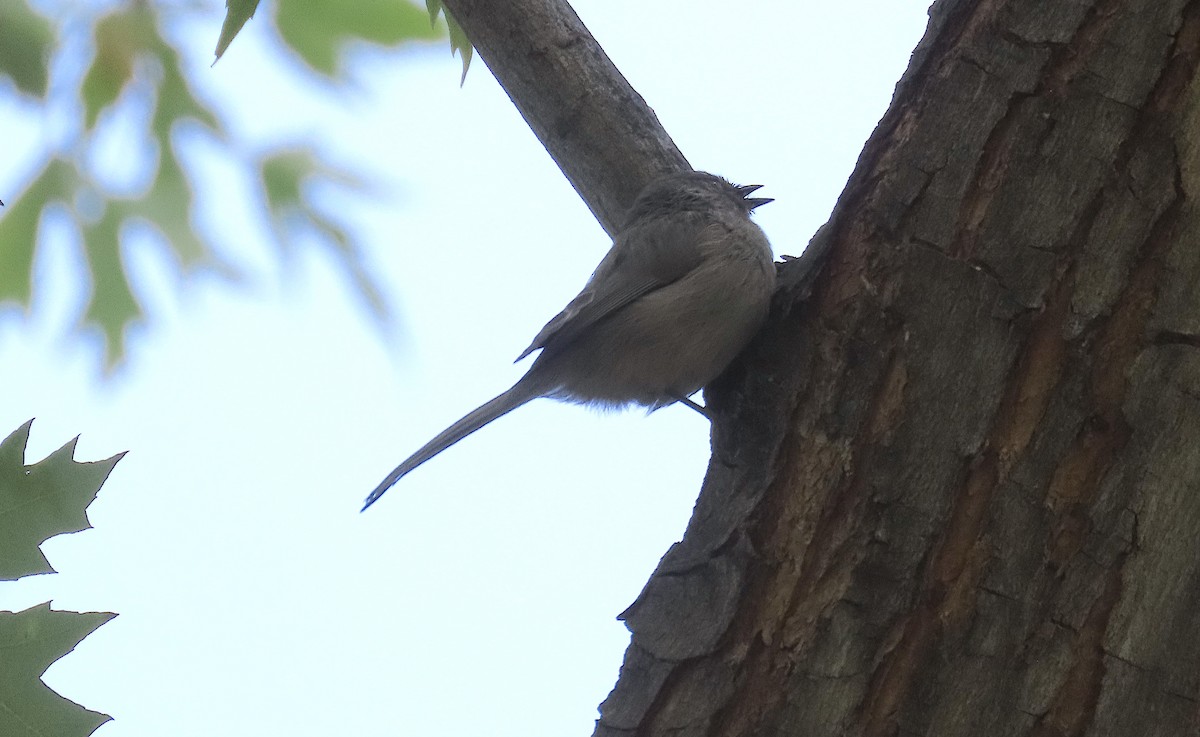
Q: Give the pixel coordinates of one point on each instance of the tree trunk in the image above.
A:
(955, 485)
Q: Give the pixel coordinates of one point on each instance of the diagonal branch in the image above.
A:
(595, 126)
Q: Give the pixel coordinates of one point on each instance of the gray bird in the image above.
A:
(684, 287)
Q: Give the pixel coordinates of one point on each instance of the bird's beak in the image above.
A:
(749, 189)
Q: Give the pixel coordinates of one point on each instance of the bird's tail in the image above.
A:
(523, 391)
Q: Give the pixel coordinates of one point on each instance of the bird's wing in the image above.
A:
(644, 258)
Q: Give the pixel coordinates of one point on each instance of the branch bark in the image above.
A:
(596, 127)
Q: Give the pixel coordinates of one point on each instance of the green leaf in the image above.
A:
(37, 502)
(282, 174)
(285, 176)
(118, 39)
(19, 227)
(319, 31)
(40, 501)
(25, 51)
(32, 640)
(340, 240)
(459, 43)
(237, 12)
(168, 206)
(122, 37)
(125, 37)
(111, 305)
(176, 101)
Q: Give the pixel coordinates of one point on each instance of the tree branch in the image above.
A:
(596, 127)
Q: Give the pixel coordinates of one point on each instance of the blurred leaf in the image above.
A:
(112, 305)
(168, 206)
(40, 501)
(118, 37)
(19, 227)
(122, 37)
(237, 12)
(25, 52)
(285, 176)
(352, 261)
(33, 639)
(176, 101)
(130, 49)
(318, 31)
(282, 174)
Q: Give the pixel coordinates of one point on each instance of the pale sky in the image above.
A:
(479, 596)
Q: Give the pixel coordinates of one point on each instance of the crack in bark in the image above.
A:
(1171, 337)
(1075, 703)
(1064, 64)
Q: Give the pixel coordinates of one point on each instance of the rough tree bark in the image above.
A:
(955, 485)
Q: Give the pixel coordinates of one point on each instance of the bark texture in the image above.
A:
(955, 485)
(956, 491)
(596, 127)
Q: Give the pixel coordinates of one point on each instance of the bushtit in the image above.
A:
(684, 287)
